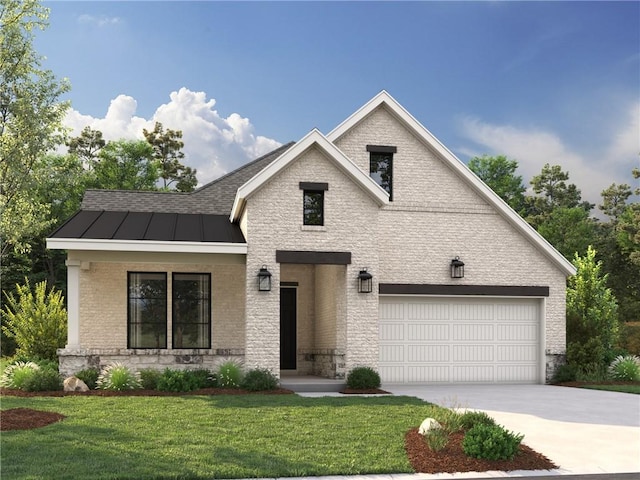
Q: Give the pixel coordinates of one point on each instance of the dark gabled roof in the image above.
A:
(169, 227)
(214, 198)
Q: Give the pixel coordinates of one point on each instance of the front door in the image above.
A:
(288, 318)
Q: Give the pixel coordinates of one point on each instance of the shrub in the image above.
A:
(118, 377)
(564, 373)
(89, 376)
(203, 378)
(626, 368)
(630, 337)
(229, 374)
(149, 378)
(43, 380)
(471, 418)
(363, 378)
(491, 442)
(36, 320)
(588, 359)
(17, 374)
(177, 381)
(259, 379)
(450, 420)
(437, 439)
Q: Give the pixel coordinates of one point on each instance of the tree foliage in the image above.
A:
(499, 173)
(592, 317)
(167, 150)
(36, 320)
(126, 165)
(30, 122)
(87, 146)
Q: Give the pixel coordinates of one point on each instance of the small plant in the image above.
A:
(43, 380)
(363, 378)
(118, 377)
(625, 368)
(471, 418)
(437, 439)
(451, 420)
(229, 374)
(149, 378)
(177, 381)
(17, 374)
(491, 442)
(259, 379)
(89, 376)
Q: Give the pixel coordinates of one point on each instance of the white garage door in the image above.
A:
(449, 340)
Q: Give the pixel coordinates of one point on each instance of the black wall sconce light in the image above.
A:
(365, 281)
(457, 268)
(264, 279)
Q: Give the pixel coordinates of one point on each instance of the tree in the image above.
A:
(126, 165)
(628, 227)
(30, 121)
(569, 230)
(87, 146)
(592, 318)
(167, 151)
(499, 174)
(614, 200)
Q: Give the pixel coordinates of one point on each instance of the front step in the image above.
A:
(312, 384)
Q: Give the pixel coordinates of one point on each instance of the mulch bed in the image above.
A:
(364, 391)
(452, 459)
(26, 418)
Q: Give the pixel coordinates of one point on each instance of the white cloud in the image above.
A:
(100, 21)
(214, 145)
(533, 148)
(626, 143)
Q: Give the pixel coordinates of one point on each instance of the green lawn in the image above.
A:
(197, 437)
(630, 388)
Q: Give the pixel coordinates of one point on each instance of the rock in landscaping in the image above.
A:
(74, 384)
(428, 424)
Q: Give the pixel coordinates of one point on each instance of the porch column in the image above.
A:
(73, 304)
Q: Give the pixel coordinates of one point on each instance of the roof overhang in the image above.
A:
(312, 139)
(431, 142)
(91, 244)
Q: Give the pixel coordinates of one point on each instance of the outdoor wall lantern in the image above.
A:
(457, 268)
(264, 280)
(365, 282)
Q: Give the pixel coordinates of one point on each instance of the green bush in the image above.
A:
(630, 337)
(118, 377)
(564, 373)
(437, 439)
(491, 442)
(625, 368)
(363, 378)
(43, 380)
(149, 378)
(588, 359)
(36, 320)
(203, 377)
(89, 376)
(259, 379)
(471, 418)
(229, 374)
(17, 374)
(177, 381)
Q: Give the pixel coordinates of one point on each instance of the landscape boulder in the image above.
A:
(74, 384)
(428, 424)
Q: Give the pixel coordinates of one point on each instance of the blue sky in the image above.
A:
(539, 82)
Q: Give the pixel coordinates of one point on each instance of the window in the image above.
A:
(313, 202)
(381, 166)
(147, 310)
(191, 312)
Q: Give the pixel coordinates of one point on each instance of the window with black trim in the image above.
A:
(313, 207)
(191, 310)
(381, 166)
(147, 310)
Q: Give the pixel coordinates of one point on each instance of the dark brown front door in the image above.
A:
(288, 318)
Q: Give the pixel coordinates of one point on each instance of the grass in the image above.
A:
(198, 437)
(630, 388)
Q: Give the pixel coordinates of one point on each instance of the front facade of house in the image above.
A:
(167, 280)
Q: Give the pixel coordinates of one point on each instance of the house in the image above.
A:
(371, 245)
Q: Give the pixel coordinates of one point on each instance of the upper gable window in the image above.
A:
(381, 166)
(313, 202)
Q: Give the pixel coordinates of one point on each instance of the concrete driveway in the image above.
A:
(583, 431)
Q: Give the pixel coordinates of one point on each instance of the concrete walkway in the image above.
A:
(583, 431)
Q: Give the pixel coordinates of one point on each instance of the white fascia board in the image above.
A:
(145, 246)
(459, 167)
(312, 138)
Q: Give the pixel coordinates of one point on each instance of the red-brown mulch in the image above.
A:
(26, 418)
(452, 459)
(143, 393)
(367, 391)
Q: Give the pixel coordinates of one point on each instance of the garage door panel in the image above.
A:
(460, 340)
(472, 332)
